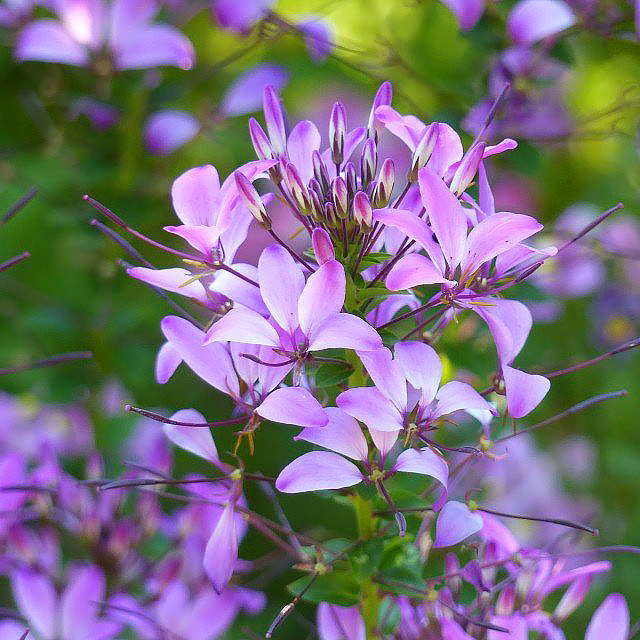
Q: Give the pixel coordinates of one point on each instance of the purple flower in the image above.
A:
(533, 20)
(241, 16)
(467, 12)
(102, 116)
(124, 27)
(455, 523)
(168, 130)
(305, 317)
(318, 36)
(340, 623)
(611, 620)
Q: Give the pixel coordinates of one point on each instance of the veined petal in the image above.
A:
(156, 46)
(322, 296)
(387, 375)
(346, 331)
(533, 20)
(281, 283)
(194, 195)
(230, 285)
(174, 279)
(525, 391)
(408, 131)
(210, 362)
(455, 523)
(495, 235)
(455, 395)
(370, 406)
(79, 604)
(611, 619)
(383, 440)
(446, 215)
(424, 461)
(36, 598)
(414, 270)
(421, 367)
(242, 325)
(196, 440)
(48, 40)
(293, 405)
(303, 140)
(447, 152)
(341, 434)
(201, 237)
(318, 470)
(221, 552)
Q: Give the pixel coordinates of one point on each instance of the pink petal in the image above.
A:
(533, 20)
(424, 461)
(414, 270)
(455, 523)
(128, 19)
(447, 152)
(322, 296)
(318, 470)
(446, 215)
(341, 434)
(344, 331)
(244, 95)
(80, 601)
(370, 406)
(202, 238)
(558, 580)
(303, 140)
(174, 279)
(243, 325)
(168, 130)
(221, 552)
(383, 440)
(210, 362)
(340, 623)
(196, 440)
(48, 41)
(36, 598)
(12, 630)
(293, 405)
(387, 375)
(421, 366)
(241, 16)
(158, 45)
(281, 283)
(468, 12)
(194, 195)
(408, 131)
(516, 624)
(455, 396)
(525, 391)
(230, 285)
(611, 620)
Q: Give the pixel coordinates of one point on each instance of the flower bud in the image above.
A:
(452, 569)
(506, 600)
(320, 171)
(317, 209)
(337, 132)
(368, 161)
(322, 245)
(423, 150)
(260, 140)
(467, 168)
(252, 200)
(297, 188)
(351, 179)
(384, 95)
(386, 180)
(330, 214)
(340, 197)
(274, 117)
(362, 211)
(573, 597)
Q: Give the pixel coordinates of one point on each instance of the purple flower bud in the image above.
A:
(260, 140)
(351, 179)
(467, 168)
(452, 568)
(362, 211)
(368, 161)
(330, 214)
(423, 151)
(573, 597)
(340, 197)
(319, 170)
(274, 117)
(506, 600)
(297, 188)
(322, 245)
(337, 132)
(251, 199)
(386, 180)
(384, 95)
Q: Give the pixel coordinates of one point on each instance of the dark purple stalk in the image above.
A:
(564, 523)
(47, 362)
(20, 204)
(13, 261)
(158, 418)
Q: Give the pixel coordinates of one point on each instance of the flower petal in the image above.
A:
(341, 434)
(370, 406)
(36, 598)
(525, 391)
(168, 130)
(421, 367)
(174, 279)
(196, 440)
(221, 552)
(446, 215)
(303, 140)
(611, 619)
(281, 283)
(158, 45)
(344, 331)
(210, 362)
(414, 270)
(455, 396)
(533, 20)
(167, 361)
(467, 12)
(293, 405)
(340, 623)
(244, 95)
(80, 601)
(242, 325)
(424, 461)
(318, 470)
(322, 296)
(455, 523)
(48, 40)
(387, 375)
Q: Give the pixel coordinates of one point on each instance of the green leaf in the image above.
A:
(366, 558)
(336, 587)
(329, 374)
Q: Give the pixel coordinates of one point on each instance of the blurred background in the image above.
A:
(574, 111)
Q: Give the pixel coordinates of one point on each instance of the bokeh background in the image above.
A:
(71, 294)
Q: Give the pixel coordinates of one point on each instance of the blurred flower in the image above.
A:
(168, 130)
(532, 20)
(467, 12)
(102, 116)
(124, 27)
(240, 16)
(318, 36)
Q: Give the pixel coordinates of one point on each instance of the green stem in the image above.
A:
(131, 138)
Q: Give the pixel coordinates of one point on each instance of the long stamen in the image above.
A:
(560, 521)
(20, 204)
(253, 358)
(13, 261)
(47, 362)
(158, 418)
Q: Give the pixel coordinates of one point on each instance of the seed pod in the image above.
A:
(466, 171)
(260, 140)
(337, 132)
(252, 200)
(340, 197)
(423, 150)
(362, 211)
